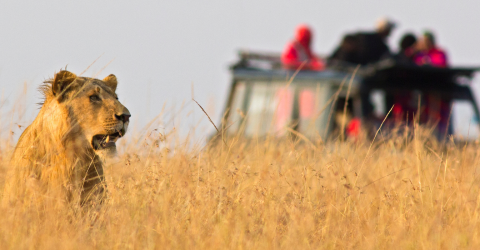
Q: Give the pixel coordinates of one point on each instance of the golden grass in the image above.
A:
(407, 193)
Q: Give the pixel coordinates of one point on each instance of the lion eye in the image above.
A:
(94, 98)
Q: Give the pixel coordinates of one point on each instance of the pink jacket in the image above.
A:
(435, 57)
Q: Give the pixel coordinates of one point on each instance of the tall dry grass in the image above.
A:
(399, 192)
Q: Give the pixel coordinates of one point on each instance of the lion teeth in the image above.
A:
(108, 139)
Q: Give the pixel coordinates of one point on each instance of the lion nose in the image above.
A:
(123, 117)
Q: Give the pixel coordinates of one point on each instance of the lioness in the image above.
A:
(80, 119)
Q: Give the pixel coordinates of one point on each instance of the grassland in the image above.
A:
(399, 192)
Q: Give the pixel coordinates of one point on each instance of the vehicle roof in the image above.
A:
(268, 66)
(384, 72)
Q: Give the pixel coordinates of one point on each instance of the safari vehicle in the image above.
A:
(266, 99)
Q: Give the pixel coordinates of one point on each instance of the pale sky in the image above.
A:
(159, 48)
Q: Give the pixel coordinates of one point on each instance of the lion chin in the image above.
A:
(105, 144)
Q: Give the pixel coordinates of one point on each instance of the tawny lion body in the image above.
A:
(59, 153)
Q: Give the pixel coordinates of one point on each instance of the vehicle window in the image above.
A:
(465, 122)
(313, 113)
(284, 107)
(270, 108)
(236, 109)
(377, 97)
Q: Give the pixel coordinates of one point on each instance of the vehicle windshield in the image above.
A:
(262, 107)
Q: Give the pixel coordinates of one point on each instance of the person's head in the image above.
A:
(408, 40)
(384, 27)
(428, 39)
(304, 35)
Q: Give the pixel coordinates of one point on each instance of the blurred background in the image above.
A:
(159, 50)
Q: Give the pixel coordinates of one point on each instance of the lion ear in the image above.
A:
(111, 81)
(62, 80)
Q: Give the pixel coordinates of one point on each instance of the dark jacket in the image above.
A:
(372, 48)
(361, 48)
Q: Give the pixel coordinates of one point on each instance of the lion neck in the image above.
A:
(60, 138)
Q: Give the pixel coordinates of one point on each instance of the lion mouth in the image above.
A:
(105, 141)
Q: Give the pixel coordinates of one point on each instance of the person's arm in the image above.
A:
(316, 64)
(290, 58)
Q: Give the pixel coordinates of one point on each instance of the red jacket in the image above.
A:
(298, 52)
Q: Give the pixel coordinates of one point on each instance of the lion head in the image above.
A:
(94, 105)
(80, 120)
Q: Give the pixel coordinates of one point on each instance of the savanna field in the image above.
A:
(405, 191)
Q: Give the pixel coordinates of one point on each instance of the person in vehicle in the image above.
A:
(373, 48)
(430, 54)
(437, 107)
(298, 53)
(402, 101)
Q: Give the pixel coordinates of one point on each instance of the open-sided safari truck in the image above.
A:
(265, 99)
